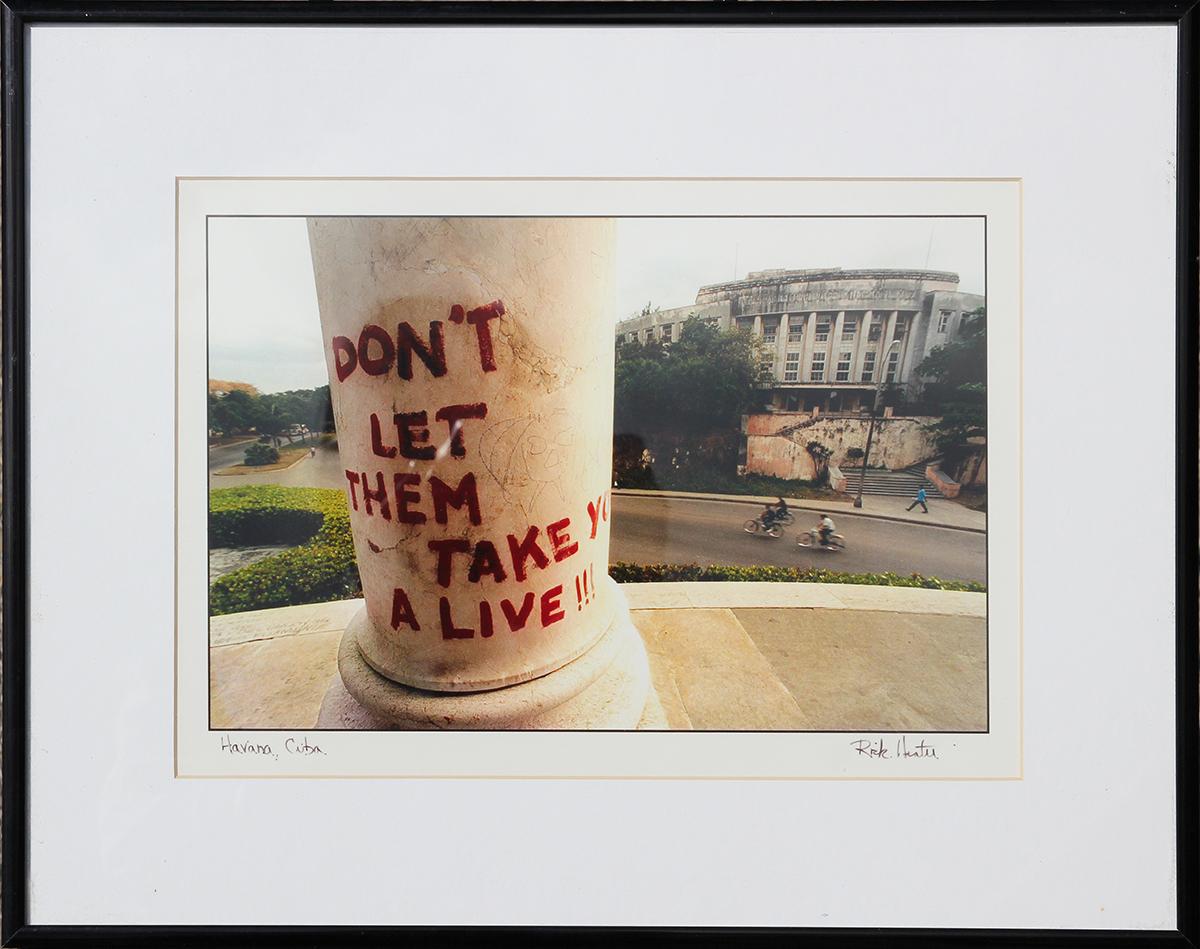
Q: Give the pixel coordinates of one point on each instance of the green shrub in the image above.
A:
(703, 480)
(667, 572)
(323, 569)
(258, 454)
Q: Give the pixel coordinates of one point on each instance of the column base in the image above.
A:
(608, 687)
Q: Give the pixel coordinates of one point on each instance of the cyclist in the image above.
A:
(825, 529)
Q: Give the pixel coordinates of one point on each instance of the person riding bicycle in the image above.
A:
(825, 529)
(769, 515)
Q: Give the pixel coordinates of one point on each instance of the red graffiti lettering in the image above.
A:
(525, 550)
(379, 495)
(413, 429)
(551, 610)
(377, 445)
(445, 548)
(344, 346)
(352, 477)
(449, 630)
(432, 354)
(375, 365)
(561, 542)
(453, 416)
(486, 561)
(402, 611)
(464, 494)
(594, 515)
(405, 497)
(479, 318)
(517, 618)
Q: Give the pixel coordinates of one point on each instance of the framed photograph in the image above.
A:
(758, 443)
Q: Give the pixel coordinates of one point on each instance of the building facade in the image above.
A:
(830, 337)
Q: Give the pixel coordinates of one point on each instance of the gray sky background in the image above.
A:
(264, 327)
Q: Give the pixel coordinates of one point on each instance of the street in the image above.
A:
(323, 471)
(687, 530)
(226, 456)
(676, 530)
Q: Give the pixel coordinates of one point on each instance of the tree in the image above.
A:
(273, 415)
(820, 454)
(675, 395)
(234, 412)
(320, 410)
(958, 371)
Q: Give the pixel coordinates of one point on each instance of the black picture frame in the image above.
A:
(18, 16)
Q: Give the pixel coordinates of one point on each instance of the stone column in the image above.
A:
(862, 344)
(471, 372)
(908, 356)
(810, 337)
(888, 338)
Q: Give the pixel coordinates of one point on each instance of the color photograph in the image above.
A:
(582, 473)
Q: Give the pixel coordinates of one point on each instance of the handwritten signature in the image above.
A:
(301, 747)
(898, 749)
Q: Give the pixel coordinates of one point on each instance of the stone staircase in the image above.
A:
(890, 483)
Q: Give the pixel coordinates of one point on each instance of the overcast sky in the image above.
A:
(264, 328)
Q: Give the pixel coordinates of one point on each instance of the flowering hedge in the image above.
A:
(322, 569)
(666, 572)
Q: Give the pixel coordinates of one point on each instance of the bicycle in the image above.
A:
(812, 538)
(755, 526)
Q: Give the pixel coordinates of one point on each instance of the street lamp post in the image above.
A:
(871, 425)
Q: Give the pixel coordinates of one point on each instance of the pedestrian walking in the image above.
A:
(919, 499)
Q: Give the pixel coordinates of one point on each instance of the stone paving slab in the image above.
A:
(825, 596)
(272, 683)
(283, 621)
(713, 673)
(875, 671)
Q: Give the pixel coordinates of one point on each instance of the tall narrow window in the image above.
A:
(817, 370)
(791, 367)
(843, 366)
(893, 366)
(822, 328)
(868, 370)
(769, 330)
(849, 327)
(901, 328)
(875, 330)
(943, 320)
(796, 329)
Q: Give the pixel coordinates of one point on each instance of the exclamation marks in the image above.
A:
(585, 587)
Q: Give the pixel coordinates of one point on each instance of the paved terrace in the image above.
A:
(732, 656)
